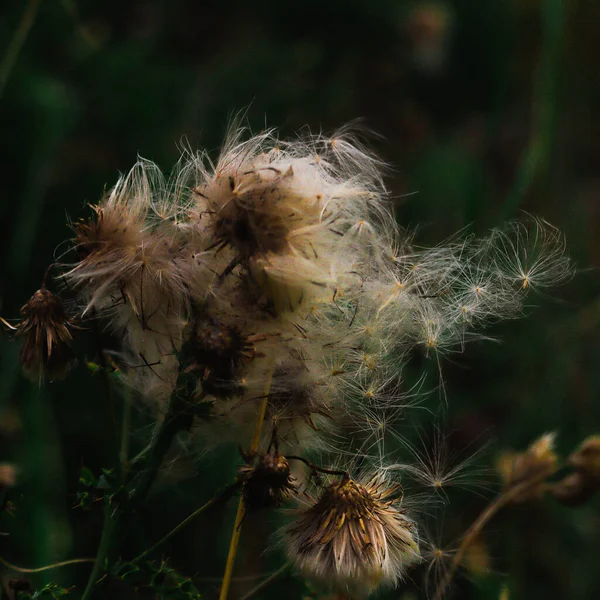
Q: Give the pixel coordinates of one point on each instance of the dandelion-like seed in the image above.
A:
(356, 536)
(532, 255)
(46, 332)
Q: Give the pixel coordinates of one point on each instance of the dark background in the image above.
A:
(484, 110)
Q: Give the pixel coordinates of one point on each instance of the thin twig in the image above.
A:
(64, 563)
(220, 497)
(477, 526)
(263, 584)
(314, 467)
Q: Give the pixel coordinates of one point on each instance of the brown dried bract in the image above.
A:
(46, 332)
(267, 480)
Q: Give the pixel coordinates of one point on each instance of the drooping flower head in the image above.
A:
(267, 480)
(46, 332)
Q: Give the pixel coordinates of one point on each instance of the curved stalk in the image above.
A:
(477, 526)
(64, 563)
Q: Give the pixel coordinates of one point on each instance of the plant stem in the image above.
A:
(477, 526)
(314, 467)
(17, 41)
(233, 546)
(263, 584)
(219, 497)
(110, 399)
(239, 517)
(545, 104)
(64, 563)
(174, 421)
(110, 524)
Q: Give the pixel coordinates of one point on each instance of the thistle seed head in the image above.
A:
(355, 535)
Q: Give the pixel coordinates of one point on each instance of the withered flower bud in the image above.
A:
(219, 353)
(586, 459)
(578, 487)
(267, 481)
(355, 536)
(525, 472)
(46, 333)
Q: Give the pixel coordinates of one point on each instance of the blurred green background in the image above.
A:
(485, 109)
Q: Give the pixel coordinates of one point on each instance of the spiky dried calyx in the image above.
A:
(46, 332)
(267, 480)
(355, 535)
(219, 352)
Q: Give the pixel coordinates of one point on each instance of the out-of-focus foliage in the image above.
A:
(485, 109)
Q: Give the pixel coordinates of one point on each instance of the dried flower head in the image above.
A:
(267, 480)
(219, 351)
(578, 487)
(46, 332)
(290, 214)
(525, 473)
(355, 535)
(586, 459)
(282, 259)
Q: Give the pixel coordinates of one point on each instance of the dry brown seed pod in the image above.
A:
(46, 332)
(267, 481)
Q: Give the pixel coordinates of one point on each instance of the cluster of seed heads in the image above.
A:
(279, 273)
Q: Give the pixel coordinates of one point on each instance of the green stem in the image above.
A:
(544, 106)
(110, 525)
(175, 421)
(17, 42)
(222, 496)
